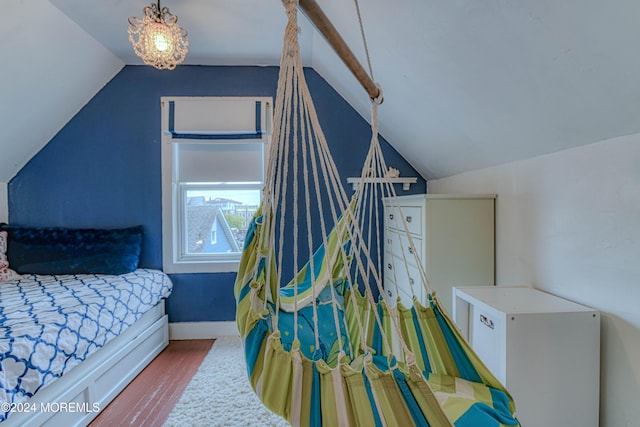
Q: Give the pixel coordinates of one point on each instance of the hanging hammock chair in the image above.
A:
(323, 347)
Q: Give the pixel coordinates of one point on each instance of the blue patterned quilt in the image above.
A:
(49, 324)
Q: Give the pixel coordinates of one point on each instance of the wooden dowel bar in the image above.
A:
(326, 28)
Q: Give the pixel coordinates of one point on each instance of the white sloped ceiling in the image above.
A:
(467, 84)
(470, 84)
(50, 69)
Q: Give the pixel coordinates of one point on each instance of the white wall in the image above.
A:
(569, 223)
(4, 203)
(50, 69)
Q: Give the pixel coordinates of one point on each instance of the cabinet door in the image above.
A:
(460, 245)
(487, 334)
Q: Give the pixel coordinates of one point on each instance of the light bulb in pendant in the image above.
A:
(160, 42)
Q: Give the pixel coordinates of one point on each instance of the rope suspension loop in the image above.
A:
(379, 97)
(364, 41)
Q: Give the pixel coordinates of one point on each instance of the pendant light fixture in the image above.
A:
(157, 38)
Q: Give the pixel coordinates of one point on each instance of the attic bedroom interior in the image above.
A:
(319, 212)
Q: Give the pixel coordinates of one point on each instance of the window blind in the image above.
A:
(240, 161)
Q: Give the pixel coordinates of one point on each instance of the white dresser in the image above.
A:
(544, 349)
(455, 239)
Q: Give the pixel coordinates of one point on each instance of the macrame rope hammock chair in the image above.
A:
(321, 348)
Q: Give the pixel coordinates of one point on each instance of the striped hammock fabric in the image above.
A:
(333, 384)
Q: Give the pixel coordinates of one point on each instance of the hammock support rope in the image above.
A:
(321, 346)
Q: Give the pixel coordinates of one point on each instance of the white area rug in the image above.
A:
(219, 394)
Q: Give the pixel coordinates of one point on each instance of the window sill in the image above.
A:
(201, 267)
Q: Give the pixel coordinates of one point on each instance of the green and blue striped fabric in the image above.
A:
(331, 380)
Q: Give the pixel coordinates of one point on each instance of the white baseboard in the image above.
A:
(202, 330)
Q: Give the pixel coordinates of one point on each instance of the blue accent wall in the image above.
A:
(103, 168)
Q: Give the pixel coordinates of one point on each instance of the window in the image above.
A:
(213, 164)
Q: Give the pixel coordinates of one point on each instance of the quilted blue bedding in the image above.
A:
(49, 324)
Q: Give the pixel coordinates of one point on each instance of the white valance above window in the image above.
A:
(219, 119)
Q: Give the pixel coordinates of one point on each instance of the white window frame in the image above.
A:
(174, 257)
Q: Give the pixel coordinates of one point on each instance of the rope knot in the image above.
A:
(291, 39)
(290, 5)
(291, 30)
(378, 99)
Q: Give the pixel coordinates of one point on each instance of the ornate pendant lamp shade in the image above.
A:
(157, 38)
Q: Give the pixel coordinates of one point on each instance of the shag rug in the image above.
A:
(219, 394)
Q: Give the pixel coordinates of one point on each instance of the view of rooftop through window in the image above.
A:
(217, 220)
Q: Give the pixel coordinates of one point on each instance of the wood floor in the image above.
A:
(149, 399)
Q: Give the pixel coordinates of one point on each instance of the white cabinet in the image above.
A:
(454, 240)
(544, 349)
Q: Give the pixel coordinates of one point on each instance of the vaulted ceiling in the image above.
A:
(467, 84)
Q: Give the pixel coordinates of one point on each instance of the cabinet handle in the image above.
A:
(389, 292)
(486, 321)
(408, 219)
(389, 266)
(410, 280)
(391, 216)
(410, 250)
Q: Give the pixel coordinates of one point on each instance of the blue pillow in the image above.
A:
(57, 250)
